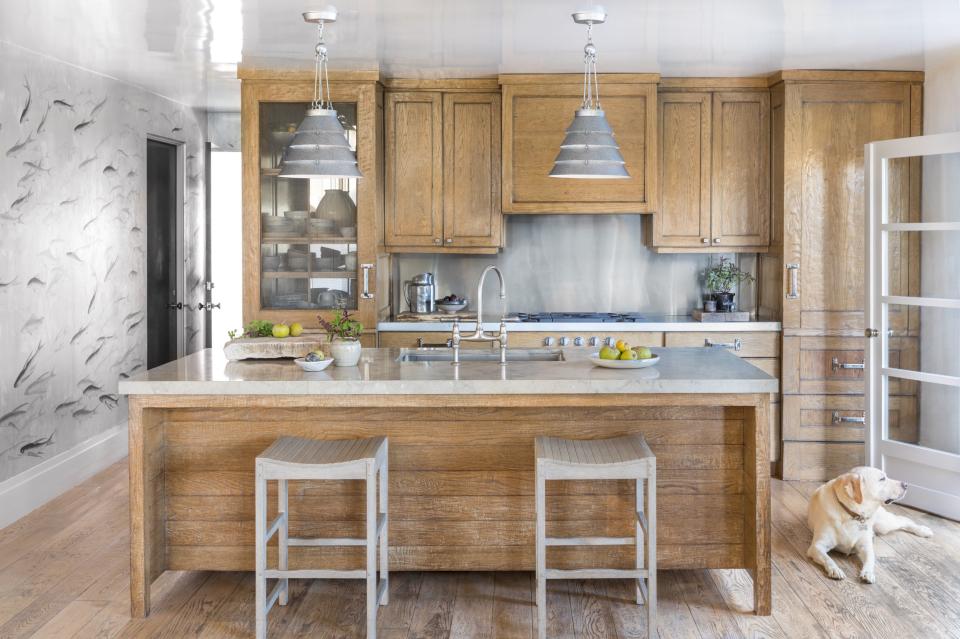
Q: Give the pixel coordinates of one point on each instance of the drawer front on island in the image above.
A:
(741, 343)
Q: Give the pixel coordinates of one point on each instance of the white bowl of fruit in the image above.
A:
(622, 355)
(314, 361)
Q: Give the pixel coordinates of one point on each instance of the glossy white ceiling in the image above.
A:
(188, 49)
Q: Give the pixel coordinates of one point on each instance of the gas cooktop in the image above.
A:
(583, 318)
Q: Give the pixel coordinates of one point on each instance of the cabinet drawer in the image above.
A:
(819, 461)
(834, 365)
(751, 344)
(829, 418)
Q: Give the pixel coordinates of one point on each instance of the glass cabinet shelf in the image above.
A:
(308, 226)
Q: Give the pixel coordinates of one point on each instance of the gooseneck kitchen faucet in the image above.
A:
(480, 335)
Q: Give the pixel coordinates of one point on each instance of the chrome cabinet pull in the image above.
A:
(837, 418)
(735, 345)
(705, 240)
(793, 275)
(836, 365)
(365, 293)
(436, 240)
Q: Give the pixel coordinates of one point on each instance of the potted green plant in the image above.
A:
(720, 280)
(344, 333)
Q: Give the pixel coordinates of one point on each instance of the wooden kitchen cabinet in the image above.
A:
(442, 191)
(812, 277)
(413, 171)
(309, 244)
(537, 109)
(714, 171)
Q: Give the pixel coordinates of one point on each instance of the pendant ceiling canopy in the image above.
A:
(589, 150)
(320, 147)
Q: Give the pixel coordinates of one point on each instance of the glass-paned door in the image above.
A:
(308, 226)
(913, 306)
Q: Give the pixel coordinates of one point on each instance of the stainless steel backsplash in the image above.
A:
(573, 263)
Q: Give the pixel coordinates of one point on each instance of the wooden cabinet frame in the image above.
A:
(704, 161)
(453, 151)
(361, 87)
(638, 194)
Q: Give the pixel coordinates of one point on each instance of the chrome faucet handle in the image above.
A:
(455, 340)
(502, 340)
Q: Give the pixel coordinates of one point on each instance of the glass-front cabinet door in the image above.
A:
(310, 242)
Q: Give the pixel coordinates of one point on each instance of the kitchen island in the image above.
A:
(461, 460)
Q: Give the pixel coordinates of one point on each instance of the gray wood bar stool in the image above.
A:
(626, 457)
(309, 459)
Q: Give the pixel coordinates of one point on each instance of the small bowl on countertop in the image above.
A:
(313, 367)
(623, 363)
(453, 307)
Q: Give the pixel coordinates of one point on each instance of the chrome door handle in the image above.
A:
(201, 306)
(735, 345)
(836, 365)
(837, 418)
(365, 293)
(175, 307)
(793, 281)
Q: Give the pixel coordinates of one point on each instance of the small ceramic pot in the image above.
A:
(724, 302)
(709, 306)
(345, 351)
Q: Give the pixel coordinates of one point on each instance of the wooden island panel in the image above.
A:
(461, 480)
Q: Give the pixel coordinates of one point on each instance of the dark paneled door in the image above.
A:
(164, 299)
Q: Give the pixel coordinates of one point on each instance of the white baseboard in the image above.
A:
(50, 478)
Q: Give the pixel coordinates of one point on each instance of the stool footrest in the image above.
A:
(642, 585)
(381, 591)
(590, 541)
(326, 541)
(594, 573)
(315, 574)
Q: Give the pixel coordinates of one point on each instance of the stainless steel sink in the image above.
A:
(480, 355)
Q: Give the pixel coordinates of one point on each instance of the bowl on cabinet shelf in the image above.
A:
(272, 262)
(350, 261)
(321, 226)
(453, 307)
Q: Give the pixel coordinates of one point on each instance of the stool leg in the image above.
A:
(639, 536)
(371, 552)
(384, 544)
(282, 503)
(652, 554)
(541, 543)
(260, 518)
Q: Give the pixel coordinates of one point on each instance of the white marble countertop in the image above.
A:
(666, 323)
(680, 370)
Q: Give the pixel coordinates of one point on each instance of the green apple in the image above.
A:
(296, 329)
(281, 330)
(608, 352)
(628, 354)
(643, 352)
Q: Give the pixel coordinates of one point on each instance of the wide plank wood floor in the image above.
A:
(64, 568)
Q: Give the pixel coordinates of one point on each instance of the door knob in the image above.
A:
(449, 240)
(716, 240)
(209, 307)
(436, 240)
(705, 240)
(175, 307)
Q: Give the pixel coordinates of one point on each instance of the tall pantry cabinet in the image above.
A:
(813, 276)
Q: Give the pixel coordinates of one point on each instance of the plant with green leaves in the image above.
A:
(256, 328)
(342, 326)
(723, 276)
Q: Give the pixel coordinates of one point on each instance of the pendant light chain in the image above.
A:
(321, 73)
(591, 90)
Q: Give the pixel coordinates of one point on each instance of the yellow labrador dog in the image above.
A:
(845, 513)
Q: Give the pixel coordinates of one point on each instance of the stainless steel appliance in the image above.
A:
(580, 318)
(421, 293)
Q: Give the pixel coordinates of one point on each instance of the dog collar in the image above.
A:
(860, 518)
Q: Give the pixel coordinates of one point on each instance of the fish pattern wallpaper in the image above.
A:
(73, 282)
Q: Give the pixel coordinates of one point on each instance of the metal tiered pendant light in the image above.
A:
(320, 148)
(589, 150)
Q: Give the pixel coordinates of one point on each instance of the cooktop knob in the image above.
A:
(564, 341)
(609, 341)
(548, 341)
(594, 341)
(578, 341)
